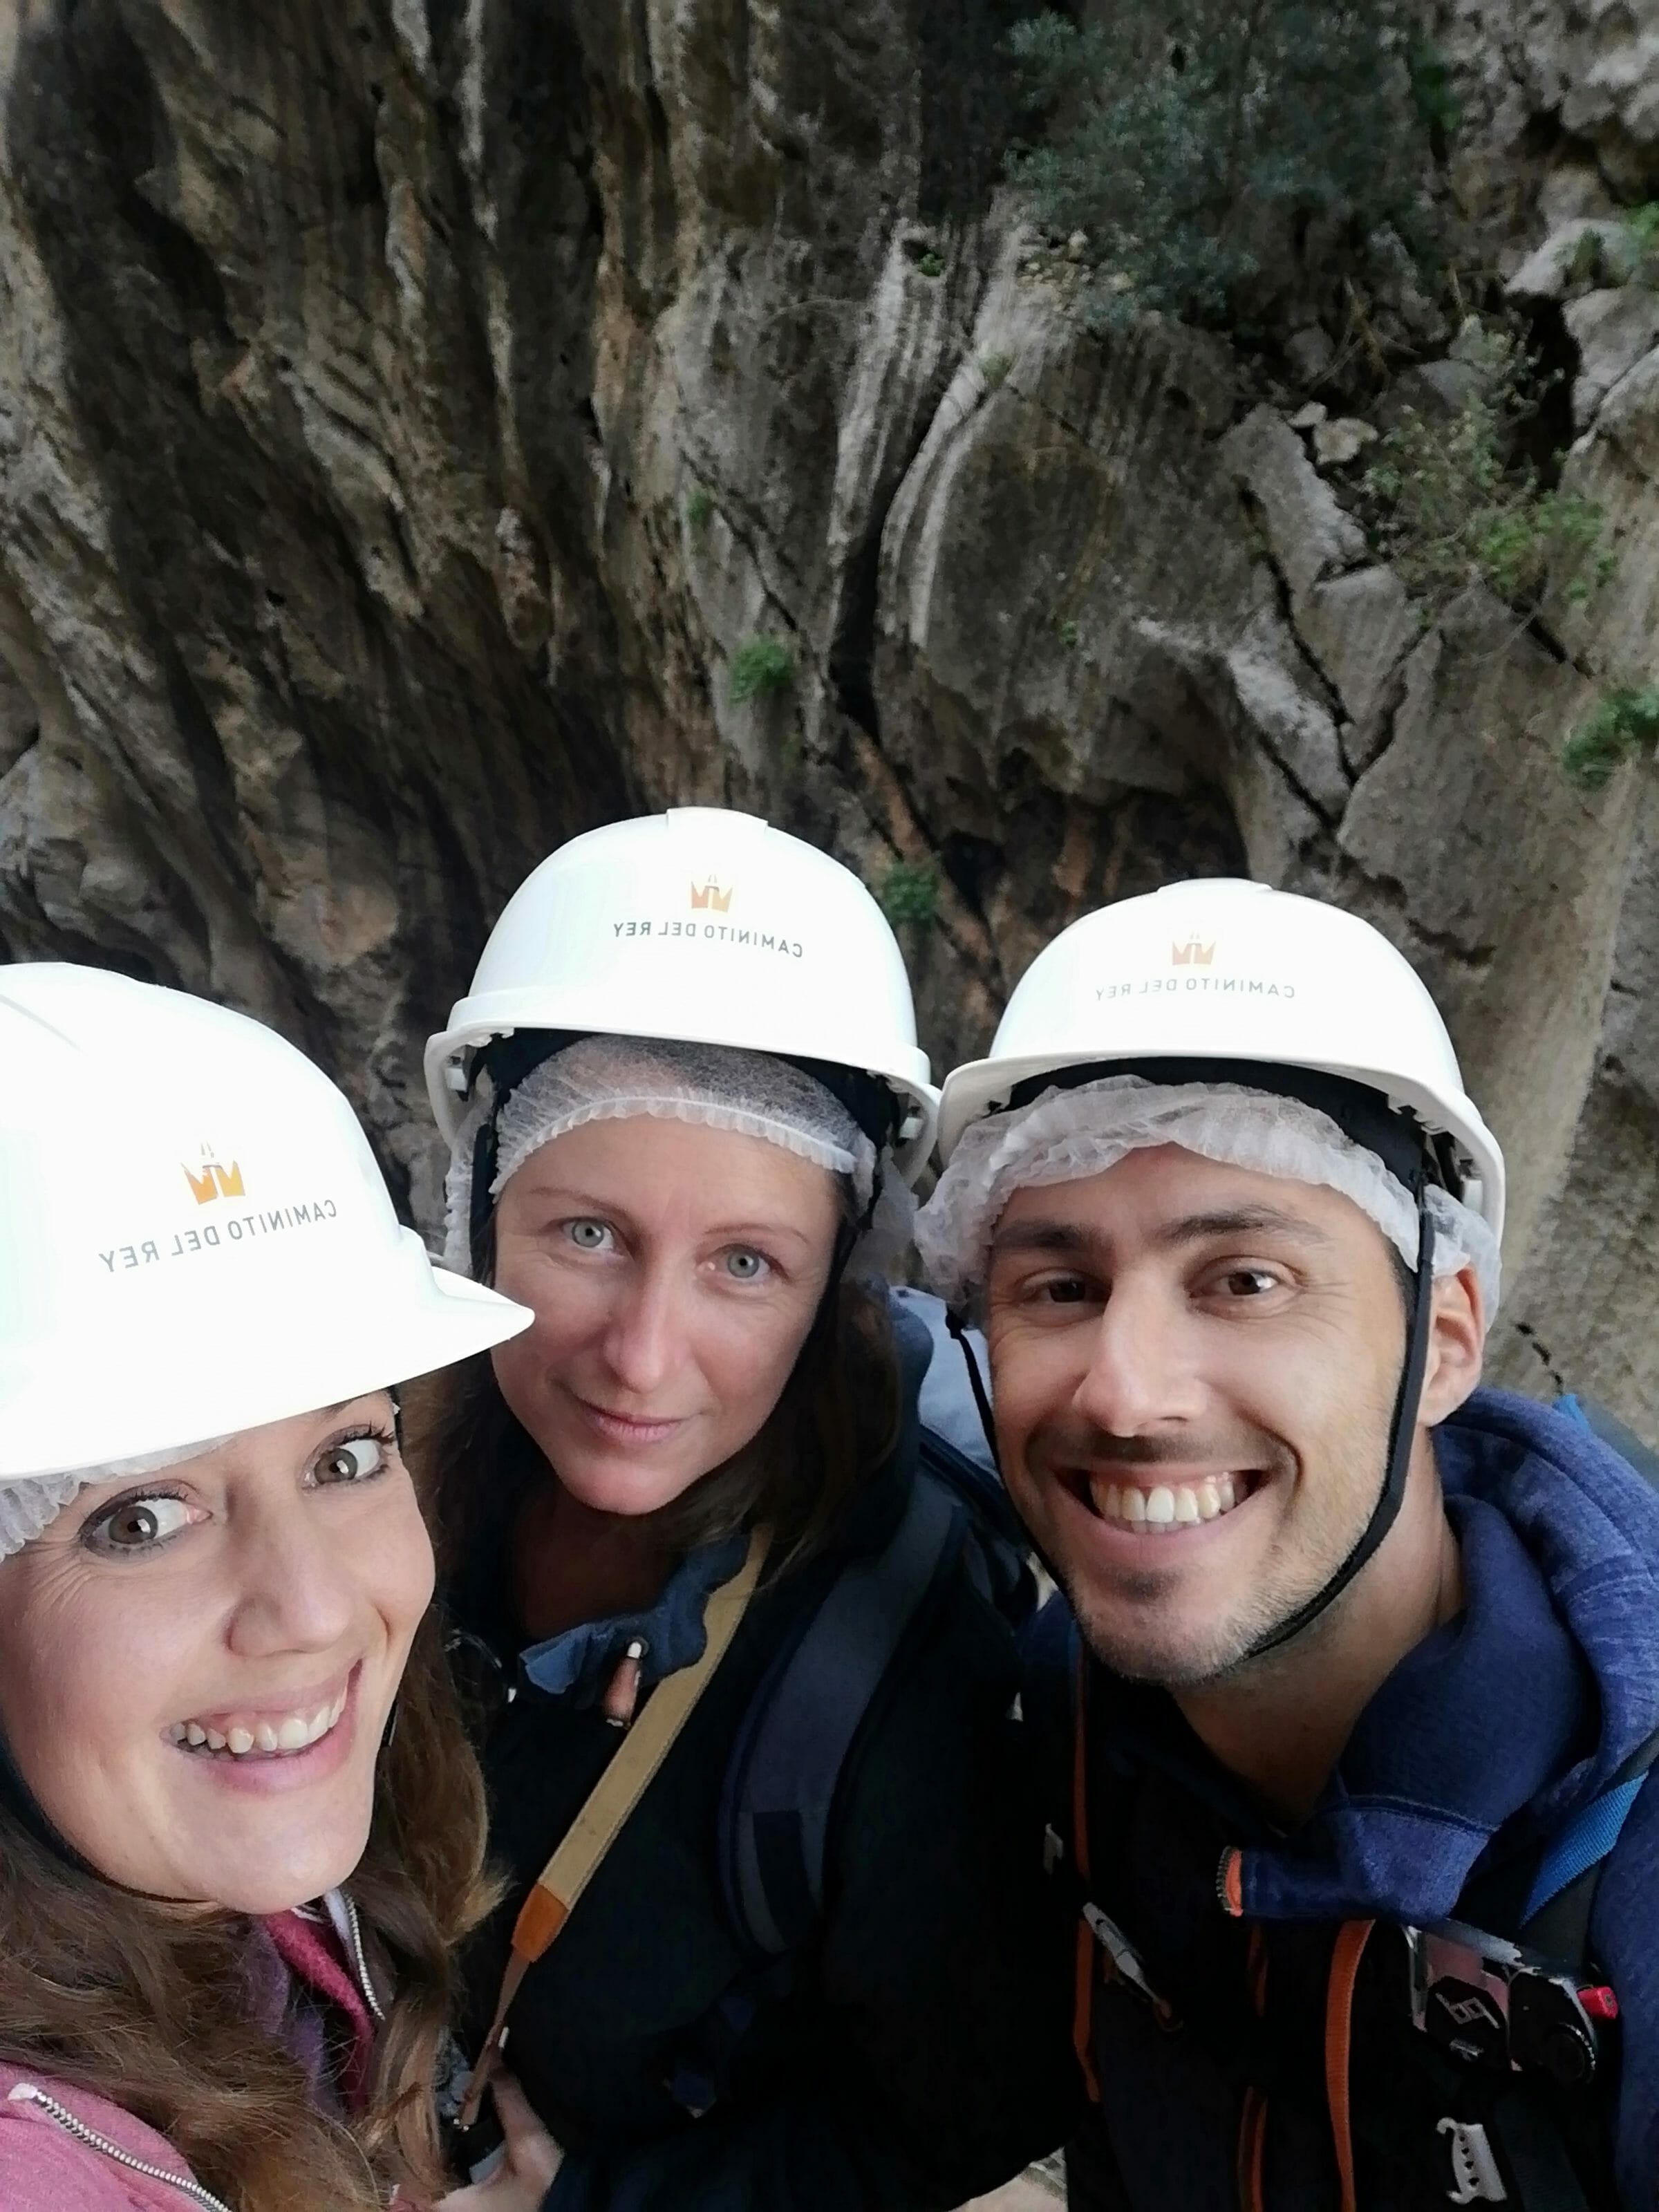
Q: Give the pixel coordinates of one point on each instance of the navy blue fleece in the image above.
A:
(1488, 1738)
(580, 1662)
(1494, 1731)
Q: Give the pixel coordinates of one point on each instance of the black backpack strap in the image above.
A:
(998, 1549)
(1532, 1999)
(1545, 2178)
(781, 1782)
(1556, 1916)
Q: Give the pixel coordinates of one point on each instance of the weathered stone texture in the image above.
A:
(407, 411)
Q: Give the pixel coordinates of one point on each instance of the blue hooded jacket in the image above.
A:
(1483, 1744)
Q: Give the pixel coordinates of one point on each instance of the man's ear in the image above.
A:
(1457, 1337)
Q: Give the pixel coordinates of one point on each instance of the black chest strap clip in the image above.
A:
(1488, 2001)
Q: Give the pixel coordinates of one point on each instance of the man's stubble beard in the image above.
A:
(1234, 1648)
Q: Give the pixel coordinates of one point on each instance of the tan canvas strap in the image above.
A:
(617, 1791)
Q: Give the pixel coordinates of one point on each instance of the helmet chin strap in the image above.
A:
(957, 1325)
(847, 1236)
(1402, 1436)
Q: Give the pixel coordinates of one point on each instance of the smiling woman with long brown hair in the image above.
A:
(240, 1829)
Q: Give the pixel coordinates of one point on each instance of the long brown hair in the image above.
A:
(833, 1426)
(148, 2004)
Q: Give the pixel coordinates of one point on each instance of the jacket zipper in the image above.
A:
(353, 1933)
(26, 2092)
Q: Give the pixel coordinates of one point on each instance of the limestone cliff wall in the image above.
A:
(408, 410)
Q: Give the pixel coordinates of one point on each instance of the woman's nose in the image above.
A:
(644, 1342)
(297, 1590)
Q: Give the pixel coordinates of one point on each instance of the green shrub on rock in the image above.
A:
(1175, 130)
(1621, 723)
(1644, 222)
(761, 668)
(1449, 503)
(910, 894)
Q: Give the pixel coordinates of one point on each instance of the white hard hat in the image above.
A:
(705, 927)
(1218, 969)
(197, 1239)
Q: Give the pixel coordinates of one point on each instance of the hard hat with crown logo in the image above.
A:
(1222, 969)
(197, 1238)
(705, 926)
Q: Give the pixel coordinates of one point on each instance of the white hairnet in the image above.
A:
(29, 1506)
(1065, 1135)
(615, 1078)
(26, 1508)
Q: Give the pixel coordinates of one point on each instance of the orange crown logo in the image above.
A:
(1192, 954)
(215, 1181)
(711, 895)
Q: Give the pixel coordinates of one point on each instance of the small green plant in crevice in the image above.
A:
(761, 668)
(1434, 93)
(1172, 148)
(910, 894)
(1587, 267)
(994, 367)
(1448, 502)
(931, 264)
(1643, 223)
(699, 508)
(1069, 632)
(1621, 722)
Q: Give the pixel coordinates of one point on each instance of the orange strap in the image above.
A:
(1350, 1941)
(1086, 1967)
(560, 1882)
(1255, 1968)
(1252, 2111)
(1252, 2144)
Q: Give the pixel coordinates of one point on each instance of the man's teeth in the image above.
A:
(1169, 1506)
(298, 1732)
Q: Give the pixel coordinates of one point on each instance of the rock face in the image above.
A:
(407, 412)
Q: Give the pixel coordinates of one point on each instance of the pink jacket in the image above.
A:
(63, 2150)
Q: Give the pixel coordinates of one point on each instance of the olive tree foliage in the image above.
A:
(1451, 500)
(1178, 138)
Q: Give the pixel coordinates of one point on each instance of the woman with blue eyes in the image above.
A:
(685, 1101)
(240, 1831)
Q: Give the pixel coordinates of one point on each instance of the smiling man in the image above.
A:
(1352, 1693)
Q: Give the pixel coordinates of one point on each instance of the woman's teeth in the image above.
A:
(295, 1732)
(1169, 1506)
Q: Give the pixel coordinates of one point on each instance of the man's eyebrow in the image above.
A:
(1040, 1237)
(1056, 1234)
(1242, 1221)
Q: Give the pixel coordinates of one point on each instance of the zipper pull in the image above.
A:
(1125, 1960)
(621, 1700)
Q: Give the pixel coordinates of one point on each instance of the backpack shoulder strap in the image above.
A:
(998, 1549)
(781, 1781)
(1556, 1916)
